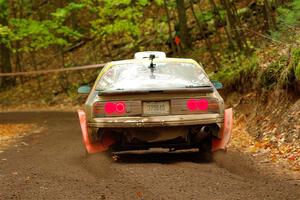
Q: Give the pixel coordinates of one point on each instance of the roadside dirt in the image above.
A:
(53, 166)
(268, 127)
(12, 134)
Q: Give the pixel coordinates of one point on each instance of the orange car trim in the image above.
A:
(92, 147)
(218, 144)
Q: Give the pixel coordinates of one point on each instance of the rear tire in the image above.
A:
(205, 148)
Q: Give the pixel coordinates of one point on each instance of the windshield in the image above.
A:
(167, 75)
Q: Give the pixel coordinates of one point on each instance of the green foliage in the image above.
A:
(62, 13)
(4, 32)
(282, 71)
(4, 8)
(270, 77)
(143, 2)
(278, 74)
(297, 71)
(204, 16)
(124, 20)
(237, 72)
(118, 17)
(295, 63)
(289, 15)
(35, 34)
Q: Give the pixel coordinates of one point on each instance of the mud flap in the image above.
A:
(92, 147)
(221, 144)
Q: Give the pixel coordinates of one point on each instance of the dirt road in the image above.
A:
(52, 165)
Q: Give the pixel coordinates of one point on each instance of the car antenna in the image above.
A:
(152, 65)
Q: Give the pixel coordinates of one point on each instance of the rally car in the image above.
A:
(154, 101)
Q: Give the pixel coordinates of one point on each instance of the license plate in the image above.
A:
(156, 108)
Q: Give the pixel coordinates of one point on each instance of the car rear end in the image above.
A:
(157, 120)
(133, 106)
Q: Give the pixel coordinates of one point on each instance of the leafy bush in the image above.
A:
(297, 71)
(204, 16)
(238, 74)
(270, 76)
(296, 62)
(289, 15)
(282, 71)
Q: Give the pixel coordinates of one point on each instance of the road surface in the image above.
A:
(52, 165)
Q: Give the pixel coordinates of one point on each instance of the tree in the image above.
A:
(29, 35)
(122, 24)
(183, 29)
(268, 15)
(218, 22)
(118, 19)
(5, 54)
(169, 26)
(206, 38)
(233, 25)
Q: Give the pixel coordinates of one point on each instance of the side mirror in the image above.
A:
(85, 89)
(218, 85)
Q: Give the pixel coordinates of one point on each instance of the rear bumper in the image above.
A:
(155, 121)
(217, 144)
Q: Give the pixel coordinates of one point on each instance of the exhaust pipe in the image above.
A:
(202, 133)
(205, 129)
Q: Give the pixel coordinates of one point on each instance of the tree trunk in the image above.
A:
(17, 11)
(169, 26)
(183, 29)
(5, 54)
(63, 77)
(34, 65)
(206, 39)
(269, 19)
(5, 66)
(18, 60)
(217, 19)
(233, 25)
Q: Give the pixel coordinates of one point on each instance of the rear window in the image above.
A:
(138, 76)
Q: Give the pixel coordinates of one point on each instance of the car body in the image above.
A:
(154, 101)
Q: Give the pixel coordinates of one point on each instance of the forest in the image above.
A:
(49, 48)
(224, 35)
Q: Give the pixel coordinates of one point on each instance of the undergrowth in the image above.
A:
(296, 63)
(250, 72)
(237, 74)
(269, 67)
(275, 74)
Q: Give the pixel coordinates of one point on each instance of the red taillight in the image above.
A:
(120, 107)
(109, 108)
(193, 104)
(202, 104)
(114, 108)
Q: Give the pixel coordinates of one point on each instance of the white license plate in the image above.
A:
(156, 108)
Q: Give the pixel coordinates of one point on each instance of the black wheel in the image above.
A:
(205, 148)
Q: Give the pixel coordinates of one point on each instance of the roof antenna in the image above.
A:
(152, 66)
